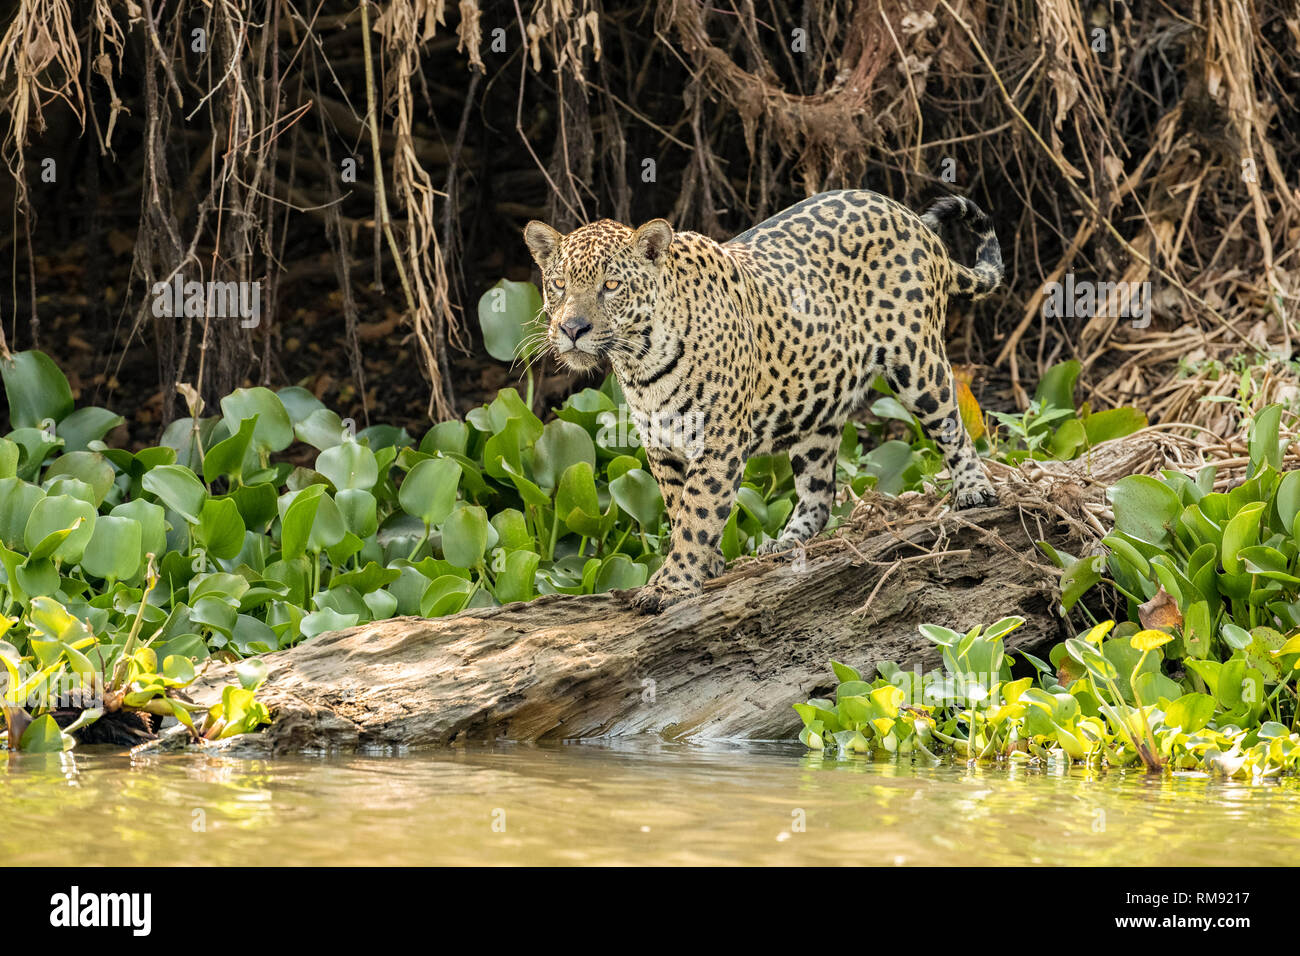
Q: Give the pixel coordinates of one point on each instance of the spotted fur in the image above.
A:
(763, 344)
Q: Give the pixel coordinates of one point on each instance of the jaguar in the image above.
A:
(766, 343)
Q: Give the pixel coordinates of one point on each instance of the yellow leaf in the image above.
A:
(1149, 640)
(971, 415)
(1098, 632)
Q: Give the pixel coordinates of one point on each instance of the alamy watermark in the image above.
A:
(216, 300)
(74, 909)
(628, 428)
(1085, 299)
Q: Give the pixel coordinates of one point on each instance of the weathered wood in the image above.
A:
(727, 664)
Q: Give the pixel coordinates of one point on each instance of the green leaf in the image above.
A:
(226, 458)
(257, 504)
(37, 391)
(506, 314)
(516, 581)
(428, 491)
(576, 501)
(178, 489)
(370, 578)
(53, 620)
(1113, 423)
(59, 526)
(42, 735)
(889, 464)
(1056, 387)
(327, 527)
(359, 510)
(10, 452)
(298, 514)
(1287, 498)
(17, 500)
(94, 469)
(562, 444)
(464, 536)
(844, 672)
(619, 572)
(447, 594)
(1242, 531)
(299, 403)
(114, 551)
(220, 529)
(85, 425)
(322, 429)
(1190, 712)
(349, 466)
(1145, 508)
(1266, 447)
(942, 636)
(1078, 577)
(274, 430)
(450, 438)
(637, 493)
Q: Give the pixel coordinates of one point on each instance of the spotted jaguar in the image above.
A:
(766, 343)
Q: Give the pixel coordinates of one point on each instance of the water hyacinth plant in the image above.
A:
(1110, 703)
(1204, 672)
(210, 545)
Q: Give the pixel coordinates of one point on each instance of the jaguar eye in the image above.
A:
(558, 283)
(612, 284)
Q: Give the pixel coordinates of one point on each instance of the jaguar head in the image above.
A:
(599, 286)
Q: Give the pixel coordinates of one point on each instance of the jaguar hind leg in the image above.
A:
(812, 459)
(926, 389)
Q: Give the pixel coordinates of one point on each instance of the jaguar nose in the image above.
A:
(575, 328)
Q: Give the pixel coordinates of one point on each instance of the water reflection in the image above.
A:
(633, 802)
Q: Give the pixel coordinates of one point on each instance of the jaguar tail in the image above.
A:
(977, 281)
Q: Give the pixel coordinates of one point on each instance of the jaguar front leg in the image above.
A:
(707, 494)
(669, 470)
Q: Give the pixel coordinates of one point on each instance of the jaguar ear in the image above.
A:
(652, 239)
(542, 241)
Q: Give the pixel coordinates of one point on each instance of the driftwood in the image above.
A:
(727, 664)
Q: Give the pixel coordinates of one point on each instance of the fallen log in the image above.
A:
(728, 664)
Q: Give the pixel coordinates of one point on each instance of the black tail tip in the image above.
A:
(949, 208)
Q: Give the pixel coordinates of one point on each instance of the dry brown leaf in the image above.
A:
(1160, 612)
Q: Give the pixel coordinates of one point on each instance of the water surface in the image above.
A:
(627, 802)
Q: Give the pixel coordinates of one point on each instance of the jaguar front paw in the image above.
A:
(776, 545)
(654, 599)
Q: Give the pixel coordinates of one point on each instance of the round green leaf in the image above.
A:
(359, 511)
(274, 430)
(36, 389)
(178, 489)
(507, 313)
(85, 425)
(562, 444)
(114, 551)
(465, 536)
(516, 581)
(220, 529)
(1145, 508)
(59, 526)
(94, 469)
(637, 493)
(349, 465)
(428, 491)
